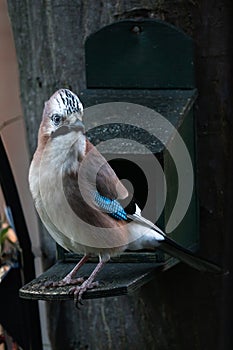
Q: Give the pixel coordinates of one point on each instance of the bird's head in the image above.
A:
(62, 113)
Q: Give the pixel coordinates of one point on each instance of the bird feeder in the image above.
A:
(139, 99)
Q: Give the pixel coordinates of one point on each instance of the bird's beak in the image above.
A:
(65, 129)
(77, 125)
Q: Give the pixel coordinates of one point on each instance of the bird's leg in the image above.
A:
(89, 283)
(69, 279)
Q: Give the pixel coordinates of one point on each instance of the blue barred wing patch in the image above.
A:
(110, 206)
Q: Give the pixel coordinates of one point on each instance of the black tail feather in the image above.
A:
(174, 249)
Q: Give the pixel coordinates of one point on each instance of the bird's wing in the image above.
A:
(107, 182)
(108, 187)
(110, 206)
(144, 222)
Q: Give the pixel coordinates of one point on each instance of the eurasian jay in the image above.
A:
(80, 200)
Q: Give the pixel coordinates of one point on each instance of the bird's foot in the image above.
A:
(64, 282)
(78, 291)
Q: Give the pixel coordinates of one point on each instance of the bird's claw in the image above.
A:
(78, 291)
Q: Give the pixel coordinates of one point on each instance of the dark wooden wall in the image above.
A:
(180, 309)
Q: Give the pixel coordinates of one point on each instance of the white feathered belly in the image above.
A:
(65, 227)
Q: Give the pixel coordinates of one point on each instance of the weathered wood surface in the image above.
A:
(180, 309)
(174, 105)
(114, 280)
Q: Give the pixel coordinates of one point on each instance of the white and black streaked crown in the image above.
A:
(70, 101)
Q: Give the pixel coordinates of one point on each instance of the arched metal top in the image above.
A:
(147, 54)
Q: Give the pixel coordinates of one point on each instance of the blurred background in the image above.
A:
(12, 130)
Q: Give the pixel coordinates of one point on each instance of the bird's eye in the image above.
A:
(56, 119)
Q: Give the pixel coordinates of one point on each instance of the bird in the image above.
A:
(81, 201)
